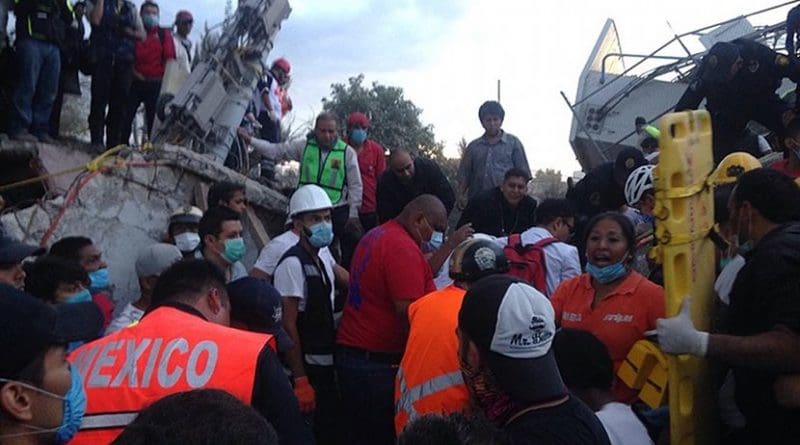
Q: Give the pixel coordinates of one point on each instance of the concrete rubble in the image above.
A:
(126, 207)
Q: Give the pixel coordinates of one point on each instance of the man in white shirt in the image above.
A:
(183, 46)
(328, 162)
(555, 218)
(305, 279)
(153, 260)
(586, 369)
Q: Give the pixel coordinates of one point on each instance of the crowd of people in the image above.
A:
(369, 320)
(126, 54)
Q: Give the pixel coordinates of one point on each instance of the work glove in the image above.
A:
(677, 335)
(305, 394)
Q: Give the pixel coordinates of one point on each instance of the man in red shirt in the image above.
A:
(150, 61)
(371, 163)
(388, 273)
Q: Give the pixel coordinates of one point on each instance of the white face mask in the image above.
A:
(187, 241)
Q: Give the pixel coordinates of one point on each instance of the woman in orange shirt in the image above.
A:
(610, 300)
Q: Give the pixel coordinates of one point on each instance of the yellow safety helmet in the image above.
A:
(733, 166)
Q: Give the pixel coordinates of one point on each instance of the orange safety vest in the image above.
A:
(167, 352)
(429, 379)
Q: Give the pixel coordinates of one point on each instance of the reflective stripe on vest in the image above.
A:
(333, 172)
(167, 352)
(409, 396)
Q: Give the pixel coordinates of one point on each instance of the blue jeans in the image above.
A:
(367, 389)
(40, 67)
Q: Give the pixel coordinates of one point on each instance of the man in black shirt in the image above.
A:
(764, 315)
(505, 330)
(405, 179)
(502, 210)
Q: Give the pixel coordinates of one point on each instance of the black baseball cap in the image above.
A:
(258, 305)
(514, 324)
(12, 251)
(28, 327)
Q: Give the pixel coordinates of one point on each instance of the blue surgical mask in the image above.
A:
(358, 136)
(74, 408)
(234, 249)
(187, 241)
(436, 240)
(150, 20)
(83, 296)
(607, 274)
(98, 280)
(321, 235)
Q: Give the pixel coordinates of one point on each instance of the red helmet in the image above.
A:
(358, 118)
(282, 64)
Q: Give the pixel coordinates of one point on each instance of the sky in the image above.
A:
(448, 55)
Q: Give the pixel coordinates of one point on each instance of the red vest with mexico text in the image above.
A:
(167, 352)
(429, 379)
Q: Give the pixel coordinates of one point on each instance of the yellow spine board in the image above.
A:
(685, 212)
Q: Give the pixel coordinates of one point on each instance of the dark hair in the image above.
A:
(186, 281)
(212, 220)
(491, 108)
(550, 209)
(772, 193)
(455, 429)
(45, 274)
(148, 3)
(222, 192)
(70, 247)
(516, 172)
(722, 194)
(200, 416)
(33, 372)
(583, 360)
(793, 128)
(624, 223)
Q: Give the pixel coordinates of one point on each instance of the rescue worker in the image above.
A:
(305, 279)
(326, 161)
(738, 80)
(183, 342)
(42, 400)
(429, 379)
(40, 30)
(183, 230)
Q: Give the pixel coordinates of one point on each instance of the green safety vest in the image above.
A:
(332, 175)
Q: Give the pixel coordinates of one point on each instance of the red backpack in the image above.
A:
(528, 262)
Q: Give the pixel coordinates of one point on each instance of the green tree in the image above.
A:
(394, 120)
(547, 184)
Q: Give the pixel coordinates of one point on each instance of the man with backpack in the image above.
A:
(541, 255)
(151, 55)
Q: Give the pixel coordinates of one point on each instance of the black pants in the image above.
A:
(141, 91)
(270, 130)
(327, 418)
(111, 84)
(347, 239)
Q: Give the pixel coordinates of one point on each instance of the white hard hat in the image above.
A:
(307, 199)
(638, 182)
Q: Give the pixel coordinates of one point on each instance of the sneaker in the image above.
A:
(23, 136)
(46, 139)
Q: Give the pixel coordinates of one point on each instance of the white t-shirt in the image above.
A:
(290, 280)
(622, 425)
(724, 282)
(561, 259)
(129, 315)
(276, 247)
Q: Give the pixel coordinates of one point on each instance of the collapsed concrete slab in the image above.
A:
(125, 205)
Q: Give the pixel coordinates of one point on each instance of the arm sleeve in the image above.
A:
(557, 300)
(791, 28)
(380, 163)
(519, 157)
(169, 46)
(282, 151)
(411, 281)
(355, 188)
(268, 258)
(275, 400)
(289, 278)
(571, 266)
(692, 97)
(385, 199)
(443, 190)
(658, 306)
(138, 26)
(464, 169)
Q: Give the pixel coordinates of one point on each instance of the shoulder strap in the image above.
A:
(544, 242)
(515, 240)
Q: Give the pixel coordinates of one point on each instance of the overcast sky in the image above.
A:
(448, 55)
